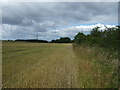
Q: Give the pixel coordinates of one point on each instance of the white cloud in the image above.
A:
(48, 20)
(17, 32)
(89, 27)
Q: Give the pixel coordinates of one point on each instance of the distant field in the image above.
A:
(48, 65)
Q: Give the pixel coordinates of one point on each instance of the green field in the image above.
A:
(49, 65)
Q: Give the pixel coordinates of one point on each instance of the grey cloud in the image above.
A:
(52, 11)
(36, 18)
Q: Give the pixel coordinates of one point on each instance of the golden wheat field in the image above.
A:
(49, 65)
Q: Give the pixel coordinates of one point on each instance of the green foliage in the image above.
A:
(62, 40)
(95, 32)
(105, 65)
(107, 38)
(106, 57)
(79, 38)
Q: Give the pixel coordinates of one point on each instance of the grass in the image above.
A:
(102, 66)
(48, 65)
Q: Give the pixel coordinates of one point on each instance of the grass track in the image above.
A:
(45, 65)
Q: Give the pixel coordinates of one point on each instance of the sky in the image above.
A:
(52, 20)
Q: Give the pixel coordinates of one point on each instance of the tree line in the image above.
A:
(107, 38)
(32, 40)
(61, 40)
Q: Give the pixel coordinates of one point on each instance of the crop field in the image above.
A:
(51, 65)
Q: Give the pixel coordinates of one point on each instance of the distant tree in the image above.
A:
(80, 37)
(62, 40)
(32, 40)
(53, 41)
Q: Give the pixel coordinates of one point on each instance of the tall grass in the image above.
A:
(49, 65)
(105, 64)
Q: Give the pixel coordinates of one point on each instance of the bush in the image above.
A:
(107, 38)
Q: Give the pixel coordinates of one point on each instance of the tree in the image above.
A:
(108, 38)
(95, 32)
(62, 40)
(79, 38)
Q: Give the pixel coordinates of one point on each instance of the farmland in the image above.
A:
(52, 65)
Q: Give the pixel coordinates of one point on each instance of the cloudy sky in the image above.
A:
(52, 20)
